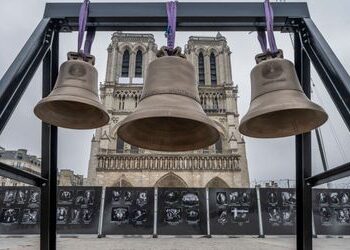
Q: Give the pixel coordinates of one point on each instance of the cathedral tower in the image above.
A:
(115, 163)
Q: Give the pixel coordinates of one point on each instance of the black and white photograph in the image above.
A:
(222, 217)
(10, 197)
(62, 215)
(128, 197)
(272, 198)
(65, 197)
(87, 214)
(34, 197)
(334, 198)
(141, 199)
(85, 197)
(9, 216)
(342, 216)
(323, 198)
(139, 217)
(30, 216)
(190, 199)
(239, 215)
(172, 197)
(221, 198)
(344, 199)
(288, 216)
(120, 215)
(116, 196)
(326, 215)
(275, 217)
(192, 216)
(288, 198)
(22, 196)
(173, 215)
(75, 216)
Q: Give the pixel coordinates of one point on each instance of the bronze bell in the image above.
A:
(278, 107)
(169, 116)
(74, 101)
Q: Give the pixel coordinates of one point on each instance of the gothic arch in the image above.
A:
(122, 182)
(217, 182)
(214, 51)
(138, 47)
(170, 180)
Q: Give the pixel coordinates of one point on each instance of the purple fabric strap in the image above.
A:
(262, 40)
(269, 27)
(170, 33)
(83, 15)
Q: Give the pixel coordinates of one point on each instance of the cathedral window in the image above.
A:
(201, 75)
(218, 146)
(120, 145)
(125, 64)
(213, 69)
(138, 64)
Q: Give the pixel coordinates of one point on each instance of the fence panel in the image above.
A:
(128, 210)
(182, 211)
(331, 208)
(233, 211)
(278, 210)
(19, 210)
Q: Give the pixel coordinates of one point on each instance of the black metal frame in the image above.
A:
(63, 17)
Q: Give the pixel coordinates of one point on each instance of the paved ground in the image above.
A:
(87, 243)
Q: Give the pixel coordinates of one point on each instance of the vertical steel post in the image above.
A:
(49, 155)
(303, 158)
(155, 233)
(102, 208)
(258, 201)
(208, 212)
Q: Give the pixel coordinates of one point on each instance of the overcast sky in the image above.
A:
(267, 159)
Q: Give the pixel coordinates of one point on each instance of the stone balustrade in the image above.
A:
(178, 162)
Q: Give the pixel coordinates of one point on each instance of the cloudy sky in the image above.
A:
(267, 159)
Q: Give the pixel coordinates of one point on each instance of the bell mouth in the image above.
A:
(168, 133)
(280, 114)
(71, 112)
(283, 123)
(168, 122)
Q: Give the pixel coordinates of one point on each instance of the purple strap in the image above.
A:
(170, 33)
(269, 26)
(262, 40)
(83, 15)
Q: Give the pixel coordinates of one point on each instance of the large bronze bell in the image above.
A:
(169, 116)
(278, 105)
(74, 101)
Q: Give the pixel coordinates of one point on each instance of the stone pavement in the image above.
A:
(167, 243)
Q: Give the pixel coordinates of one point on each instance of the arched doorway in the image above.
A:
(217, 182)
(171, 180)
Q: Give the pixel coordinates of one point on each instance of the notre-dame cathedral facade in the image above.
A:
(116, 163)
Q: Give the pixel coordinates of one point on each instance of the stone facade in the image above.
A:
(67, 177)
(115, 163)
(19, 159)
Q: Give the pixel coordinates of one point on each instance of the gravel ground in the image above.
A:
(167, 243)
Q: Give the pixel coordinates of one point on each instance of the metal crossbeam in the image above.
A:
(21, 175)
(330, 175)
(190, 16)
